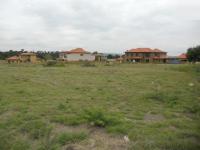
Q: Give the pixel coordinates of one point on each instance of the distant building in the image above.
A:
(78, 54)
(177, 59)
(23, 57)
(173, 60)
(13, 59)
(100, 56)
(145, 55)
(183, 58)
(28, 57)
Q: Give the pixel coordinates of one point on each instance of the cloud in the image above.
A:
(104, 25)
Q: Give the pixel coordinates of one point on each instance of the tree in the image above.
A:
(193, 54)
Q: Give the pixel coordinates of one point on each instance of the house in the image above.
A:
(183, 58)
(13, 59)
(177, 59)
(99, 57)
(23, 57)
(78, 54)
(28, 57)
(145, 55)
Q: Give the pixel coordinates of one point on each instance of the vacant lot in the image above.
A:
(93, 107)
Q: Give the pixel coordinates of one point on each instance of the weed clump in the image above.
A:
(99, 118)
(70, 137)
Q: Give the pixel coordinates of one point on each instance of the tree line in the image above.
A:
(193, 54)
(46, 55)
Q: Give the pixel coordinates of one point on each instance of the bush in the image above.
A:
(70, 137)
(61, 107)
(97, 117)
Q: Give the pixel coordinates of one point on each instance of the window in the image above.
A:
(147, 54)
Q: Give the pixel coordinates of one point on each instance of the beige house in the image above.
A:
(78, 54)
(23, 57)
(28, 57)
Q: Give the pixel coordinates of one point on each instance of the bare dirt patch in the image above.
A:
(98, 139)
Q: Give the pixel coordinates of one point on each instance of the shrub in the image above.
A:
(61, 106)
(99, 118)
(70, 137)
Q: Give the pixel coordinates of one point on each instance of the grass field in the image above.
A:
(81, 107)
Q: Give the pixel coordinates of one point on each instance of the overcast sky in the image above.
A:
(102, 25)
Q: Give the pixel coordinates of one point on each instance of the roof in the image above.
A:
(76, 51)
(145, 50)
(25, 54)
(182, 56)
(13, 58)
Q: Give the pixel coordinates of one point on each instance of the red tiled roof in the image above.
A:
(182, 56)
(13, 58)
(76, 51)
(145, 50)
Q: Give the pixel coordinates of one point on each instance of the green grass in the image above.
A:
(117, 99)
(66, 138)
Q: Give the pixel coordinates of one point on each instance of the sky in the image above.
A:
(111, 26)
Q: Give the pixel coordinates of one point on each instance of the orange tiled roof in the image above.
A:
(76, 51)
(145, 50)
(182, 56)
(13, 58)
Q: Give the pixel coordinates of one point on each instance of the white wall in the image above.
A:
(78, 57)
